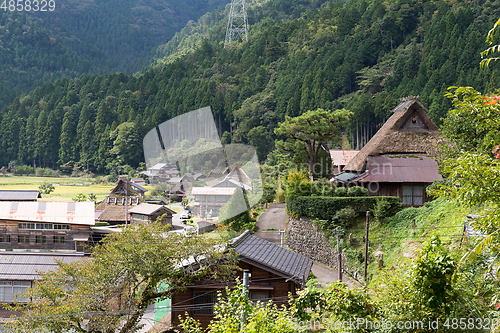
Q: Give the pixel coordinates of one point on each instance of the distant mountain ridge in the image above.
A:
(87, 37)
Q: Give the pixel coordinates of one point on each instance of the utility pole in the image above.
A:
(237, 24)
(339, 253)
(246, 285)
(366, 246)
(126, 201)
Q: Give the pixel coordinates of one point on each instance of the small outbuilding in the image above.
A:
(145, 212)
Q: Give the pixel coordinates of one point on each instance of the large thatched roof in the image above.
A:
(408, 130)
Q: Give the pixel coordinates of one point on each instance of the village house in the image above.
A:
(138, 181)
(275, 273)
(399, 158)
(147, 213)
(160, 173)
(340, 158)
(208, 200)
(122, 197)
(19, 270)
(45, 225)
(19, 195)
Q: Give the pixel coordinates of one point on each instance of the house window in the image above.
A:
(4, 238)
(26, 225)
(204, 302)
(58, 239)
(8, 290)
(61, 226)
(139, 217)
(41, 239)
(35, 226)
(262, 297)
(23, 239)
(413, 195)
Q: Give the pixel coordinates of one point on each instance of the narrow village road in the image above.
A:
(270, 222)
(267, 227)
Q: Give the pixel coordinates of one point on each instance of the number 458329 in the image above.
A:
(28, 5)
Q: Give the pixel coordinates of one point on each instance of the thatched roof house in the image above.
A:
(121, 197)
(408, 130)
(398, 160)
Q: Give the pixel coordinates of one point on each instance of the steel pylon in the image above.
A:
(237, 25)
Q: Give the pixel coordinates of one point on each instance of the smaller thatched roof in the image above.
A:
(238, 174)
(408, 130)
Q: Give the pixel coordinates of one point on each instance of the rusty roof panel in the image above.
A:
(401, 168)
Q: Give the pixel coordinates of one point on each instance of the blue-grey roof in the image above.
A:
(283, 261)
(19, 195)
(346, 176)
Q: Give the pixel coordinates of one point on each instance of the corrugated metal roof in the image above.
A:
(401, 168)
(23, 266)
(288, 263)
(207, 190)
(55, 212)
(342, 157)
(19, 195)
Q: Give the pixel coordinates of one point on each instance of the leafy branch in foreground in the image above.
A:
(492, 49)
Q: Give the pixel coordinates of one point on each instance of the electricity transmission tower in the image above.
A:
(237, 25)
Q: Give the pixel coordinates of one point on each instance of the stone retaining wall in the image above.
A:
(305, 238)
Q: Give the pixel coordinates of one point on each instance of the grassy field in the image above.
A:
(66, 188)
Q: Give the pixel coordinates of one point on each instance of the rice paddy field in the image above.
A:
(66, 188)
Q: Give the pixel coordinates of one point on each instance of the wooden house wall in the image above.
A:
(10, 227)
(394, 189)
(261, 281)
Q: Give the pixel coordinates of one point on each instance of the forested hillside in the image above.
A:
(362, 55)
(92, 36)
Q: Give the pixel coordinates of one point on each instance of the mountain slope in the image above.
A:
(363, 55)
(86, 37)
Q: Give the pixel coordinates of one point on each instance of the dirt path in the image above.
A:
(326, 275)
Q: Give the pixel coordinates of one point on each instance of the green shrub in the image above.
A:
(24, 170)
(298, 183)
(383, 208)
(357, 191)
(340, 192)
(325, 208)
(344, 217)
(323, 187)
(46, 188)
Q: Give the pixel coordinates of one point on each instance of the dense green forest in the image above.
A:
(93, 37)
(362, 55)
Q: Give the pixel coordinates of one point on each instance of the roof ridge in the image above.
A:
(238, 240)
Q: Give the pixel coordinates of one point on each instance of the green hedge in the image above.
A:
(325, 208)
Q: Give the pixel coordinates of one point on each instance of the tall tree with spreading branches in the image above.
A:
(307, 132)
